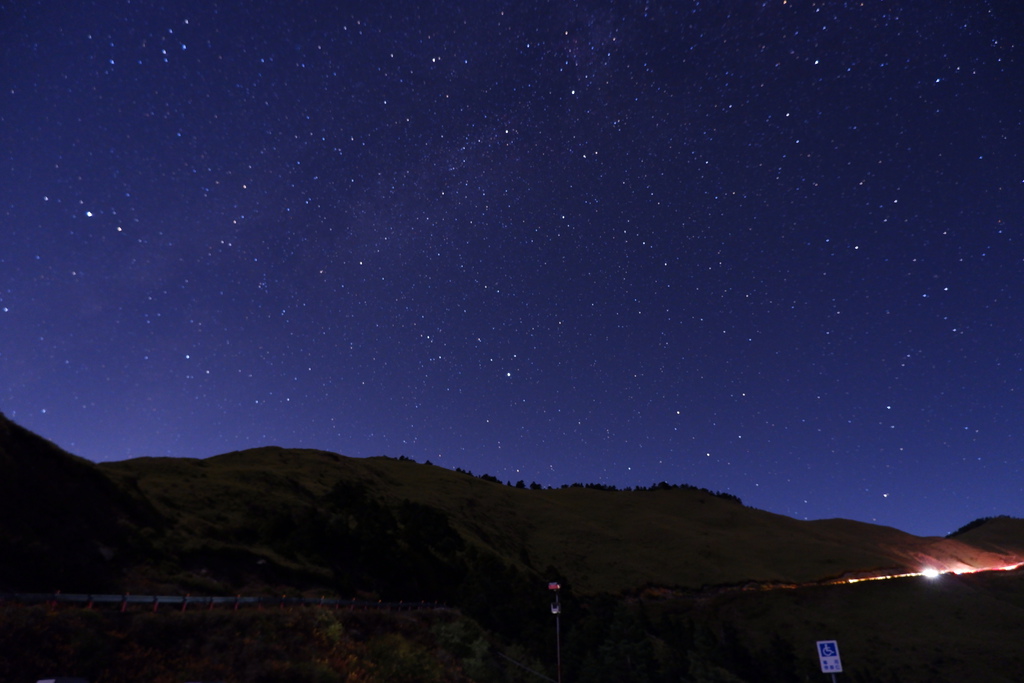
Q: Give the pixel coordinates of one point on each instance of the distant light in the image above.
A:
(930, 573)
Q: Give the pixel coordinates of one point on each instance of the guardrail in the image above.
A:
(183, 602)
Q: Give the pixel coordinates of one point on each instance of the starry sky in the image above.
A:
(774, 249)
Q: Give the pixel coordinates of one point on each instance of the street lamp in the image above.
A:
(556, 609)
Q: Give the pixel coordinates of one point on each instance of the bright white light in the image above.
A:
(930, 573)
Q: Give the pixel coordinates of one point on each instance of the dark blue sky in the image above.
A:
(768, 248)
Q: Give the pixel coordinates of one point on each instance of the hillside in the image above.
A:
(668, 584)
(600, 541)
(63, 523)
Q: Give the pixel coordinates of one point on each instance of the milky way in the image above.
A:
(773, 249)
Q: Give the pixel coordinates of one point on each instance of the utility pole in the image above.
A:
(556, 609)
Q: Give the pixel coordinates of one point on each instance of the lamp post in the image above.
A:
(556, 609)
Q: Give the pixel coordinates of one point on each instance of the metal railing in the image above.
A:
(184, 602)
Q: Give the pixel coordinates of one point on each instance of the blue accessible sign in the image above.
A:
(828, 653)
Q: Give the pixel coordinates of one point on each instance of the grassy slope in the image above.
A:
(995, 535)
(954, 628)
(601, 540)
(908, 630)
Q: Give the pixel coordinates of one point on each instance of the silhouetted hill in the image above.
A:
(293, 508)
(995, 534)
(663, 584)
(64, 523)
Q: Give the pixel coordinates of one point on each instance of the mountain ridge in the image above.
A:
(604, 541)
(662, 584)
(601, 540)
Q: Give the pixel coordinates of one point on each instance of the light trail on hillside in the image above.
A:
(933, 573)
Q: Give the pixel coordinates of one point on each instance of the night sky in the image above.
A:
(774, 249)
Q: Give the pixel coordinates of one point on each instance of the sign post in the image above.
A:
(556, 609)
(828, 655)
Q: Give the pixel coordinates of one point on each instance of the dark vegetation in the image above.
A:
(660, 486)
(298, 646)
(946, 630)
(667, 583)
(981, 521)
